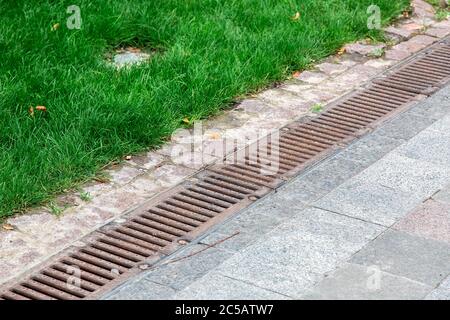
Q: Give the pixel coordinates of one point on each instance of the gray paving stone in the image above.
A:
(442, 125)
(236, 243)
(194, 265)
(431, 146)
(434, 107)
(356, 282)
(442, 292)
(443, 195)
(256, 220)
(141, 290)
(412, 176)
(369, 201)
(278, 204)
(406, 255)
(405, 126)
(214, 286)
(439, 294)
(293, 257)
(320, 180)
(370, 148)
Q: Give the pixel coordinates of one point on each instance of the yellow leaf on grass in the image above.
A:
(296, 16)
(55, 27)
(31, 111)
(186, 120)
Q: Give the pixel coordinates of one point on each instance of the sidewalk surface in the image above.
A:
(371, 222)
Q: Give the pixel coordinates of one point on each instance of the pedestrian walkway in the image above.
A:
(370, 222)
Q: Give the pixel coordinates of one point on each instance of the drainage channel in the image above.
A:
(121, 249)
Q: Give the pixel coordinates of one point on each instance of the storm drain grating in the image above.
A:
(157, 229)
(425, 75)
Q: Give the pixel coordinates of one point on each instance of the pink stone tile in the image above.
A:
(396, 54)
(147, 161)
(407, 48)
(404, 32)
(331, 68)
(431, 220)
(311, 77)
(438, 32)
(194, 159)
(124, 174)
(380, 64)
(363, 49)
(169, 175)
(423, 9)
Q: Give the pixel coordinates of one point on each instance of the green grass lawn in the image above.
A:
(209, 53)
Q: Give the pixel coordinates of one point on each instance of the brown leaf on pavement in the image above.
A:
(7, 227)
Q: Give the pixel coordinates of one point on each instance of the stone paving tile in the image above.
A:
(402, 32)
(311, 77)
(369, 201)
(258, 219)
(435, 107)
(333, 172)
(320, 180)
(350, 79)
(292, 104)
(363, 49)
(442, 292)
(415, 177)
(438, 32)
(379, 63)
(312, 96)
(441, 125)
(332, 68)
(147, 161)
(141, 290)
(18, 249)
(407, 48)
(124, 174)
(214, 286)
(406, 255)
(235, 241)
(405, 126)
(439, 294)
(186, 266)
(431, 220)
(356, 282)
(293, 257)
(423, 9)
(371, 148)
(431, 146)
(443, 195)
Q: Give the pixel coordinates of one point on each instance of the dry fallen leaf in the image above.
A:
(186, 120)
(128, 158)
(7, 226)
(41, 108)
(214, 135)
(296, 74)
(296, 16)
(341, 51)
(31, 111)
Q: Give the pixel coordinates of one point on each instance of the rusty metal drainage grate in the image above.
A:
(119, 250)
(425, 75)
